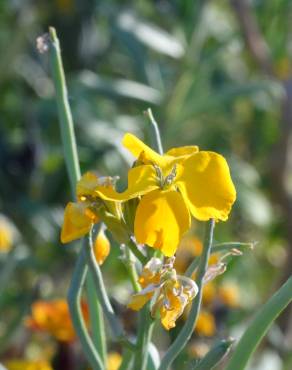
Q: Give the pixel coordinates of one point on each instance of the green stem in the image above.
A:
(222, 247)
(74, 300)
(259, 326)
(132, 272)
(134, 249)
(156, 133)
(215, 355)
(187, 330)
(127, 359)
(192, 267)
(73, 169)
(146, 325)
(114, 323)
(66, 121)
(96, 320)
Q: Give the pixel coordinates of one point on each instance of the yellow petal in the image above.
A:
(182, 151)
(76, 223)
(141, 180)
(101, 247)
(169, 315)
(206, 186)
(136, 147)
(139, 300)
(86, 185)
(161, 219)
(149, 156)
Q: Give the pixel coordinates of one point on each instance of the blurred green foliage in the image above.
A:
(187, 60)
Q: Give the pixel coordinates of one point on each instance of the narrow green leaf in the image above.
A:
(259, 326)
(215, 355)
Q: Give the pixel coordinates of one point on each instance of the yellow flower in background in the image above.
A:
(27, 365)
(114, 360)
(190, 248)
(53, 317)
(168, 292)
(229, 295)
(6, 234)
(101, 247)
(184, 181)
(206, 325)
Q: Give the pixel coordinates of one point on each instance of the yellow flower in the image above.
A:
(172, 186)
(101, 247)
(229, 295)
(6, 234)
(81, 215)
(206, 325)
(27, 365)
(54, 318)
(209, 293)
(168, 292)
(114, 360)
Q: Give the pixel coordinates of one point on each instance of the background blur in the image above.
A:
(215, 73)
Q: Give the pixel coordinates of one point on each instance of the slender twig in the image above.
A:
(187, 330)
(96, 320)
(73, 168)
(192, 267)
(146, 325)
(127, 360)
(156, 133)
(131, 268)
(134, 249)
(74, 298)
(114, 323)
(228, 246)
(66, 121)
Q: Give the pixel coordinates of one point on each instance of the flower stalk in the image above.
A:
(187, 330)
(73, 169)
(74, 300)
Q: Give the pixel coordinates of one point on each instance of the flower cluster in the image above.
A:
(53, 317)
(168, 188)
(167, 292)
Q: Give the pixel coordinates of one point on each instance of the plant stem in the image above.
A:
(134, 249)
(74, 298)
(192, 267)
(127, 359)
(114, 323)
(156, 133)
(188, 328)
(222, 247)
(65, 116)
(73, 169)
(146, 325)
(96, 319)
(259, 326)
(132, 272)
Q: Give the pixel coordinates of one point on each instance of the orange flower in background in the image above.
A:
(53, 317)
(229, 295)
(190, 248)
(206, 325)
(27, 365)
